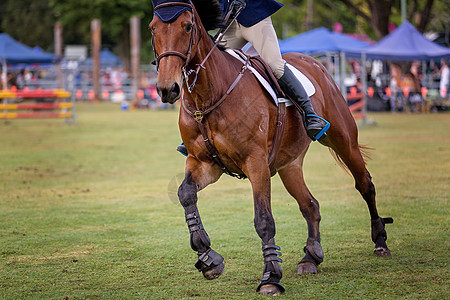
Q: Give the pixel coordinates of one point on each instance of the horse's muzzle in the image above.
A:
(169, 94)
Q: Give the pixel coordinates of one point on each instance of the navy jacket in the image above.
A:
(255, 11)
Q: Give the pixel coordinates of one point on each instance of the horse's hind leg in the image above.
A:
(349, 151)
(292, 177)
(197, 176)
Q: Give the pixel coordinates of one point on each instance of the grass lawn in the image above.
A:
(89, 211)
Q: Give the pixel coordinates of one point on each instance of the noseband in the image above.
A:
(185, 57)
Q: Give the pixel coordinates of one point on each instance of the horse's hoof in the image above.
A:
(214, 272)
(270, 289)
(306, 268)
(383, 252)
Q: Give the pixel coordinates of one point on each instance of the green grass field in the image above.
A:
(89, 211)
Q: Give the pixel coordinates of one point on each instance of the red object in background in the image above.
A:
(79, 94)
(105, 95)
(388, 92)
(443, 92)
(91, 95)
(140, 94)
(370, 91)
(154, 93)
(405, 91)
(424, 91)
(337, 27)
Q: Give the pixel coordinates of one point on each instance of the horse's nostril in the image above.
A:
(176, 90)
(169, 94)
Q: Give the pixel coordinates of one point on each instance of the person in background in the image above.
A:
(444, 83)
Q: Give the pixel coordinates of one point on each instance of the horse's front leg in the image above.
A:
(259, 176)
(199, 175)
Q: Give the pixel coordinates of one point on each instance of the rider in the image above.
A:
(254, 25)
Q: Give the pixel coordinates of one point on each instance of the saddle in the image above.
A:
(264, 70)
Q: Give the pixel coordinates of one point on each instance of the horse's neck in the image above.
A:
(213, 80)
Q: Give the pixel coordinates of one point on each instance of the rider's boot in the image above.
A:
(296, 92)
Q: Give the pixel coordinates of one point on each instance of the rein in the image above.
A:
(199, 115)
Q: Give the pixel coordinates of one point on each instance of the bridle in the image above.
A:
(187, 57)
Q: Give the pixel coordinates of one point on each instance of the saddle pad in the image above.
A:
(307, 84)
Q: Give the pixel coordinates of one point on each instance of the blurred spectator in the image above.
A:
(445, 78)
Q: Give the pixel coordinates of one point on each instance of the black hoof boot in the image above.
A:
(210, 264)
(313, 257)
(379, 236)
(270, 283)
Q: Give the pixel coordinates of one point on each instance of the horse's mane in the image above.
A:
(210, 13)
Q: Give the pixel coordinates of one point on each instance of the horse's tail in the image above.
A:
(365, 152)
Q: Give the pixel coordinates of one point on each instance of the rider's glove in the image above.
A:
(237, 5)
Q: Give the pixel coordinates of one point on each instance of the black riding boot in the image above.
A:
(296, 92)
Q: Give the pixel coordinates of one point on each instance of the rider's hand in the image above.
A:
(238, 5)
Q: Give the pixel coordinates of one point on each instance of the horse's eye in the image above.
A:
(188, 27)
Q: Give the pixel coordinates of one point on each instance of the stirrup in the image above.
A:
(182, 149)
(324, 129)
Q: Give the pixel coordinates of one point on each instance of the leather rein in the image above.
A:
(199, 115)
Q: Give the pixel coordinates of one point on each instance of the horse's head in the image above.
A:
(177, 31)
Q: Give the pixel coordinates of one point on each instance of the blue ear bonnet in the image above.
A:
(169, 13)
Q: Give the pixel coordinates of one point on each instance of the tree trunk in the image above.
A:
(425, 16)
(381, 10)
(124, 47)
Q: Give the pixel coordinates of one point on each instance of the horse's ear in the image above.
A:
(210, 13)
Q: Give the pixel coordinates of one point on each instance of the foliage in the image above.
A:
(28, 21)
(114, 14)
(89, 212)
(371, 17)
(31, 22)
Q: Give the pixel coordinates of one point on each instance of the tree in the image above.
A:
(28, 21)
(114, 15)
(377, 13)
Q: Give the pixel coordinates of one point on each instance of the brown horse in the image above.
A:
(234, 134)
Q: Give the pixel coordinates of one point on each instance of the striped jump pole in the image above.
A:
(37, 110)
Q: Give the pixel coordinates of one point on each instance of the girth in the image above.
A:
(199, 116)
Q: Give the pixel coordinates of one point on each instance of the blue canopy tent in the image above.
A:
(322, 40)
(107, 59)
(406, 44)
(11, 51)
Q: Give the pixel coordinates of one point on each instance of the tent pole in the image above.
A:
(337, 77)
(328, 55)
(342, 85)
(364, 87)
(4, 73)
(4, 80)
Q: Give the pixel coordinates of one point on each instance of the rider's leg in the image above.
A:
(264, 39)
(294, 89)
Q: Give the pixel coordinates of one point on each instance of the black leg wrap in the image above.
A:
(199, 238)
(272, 270)
(378, 231)
(208, 260)
(379, 236)
(200, 242)
(314, 250)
